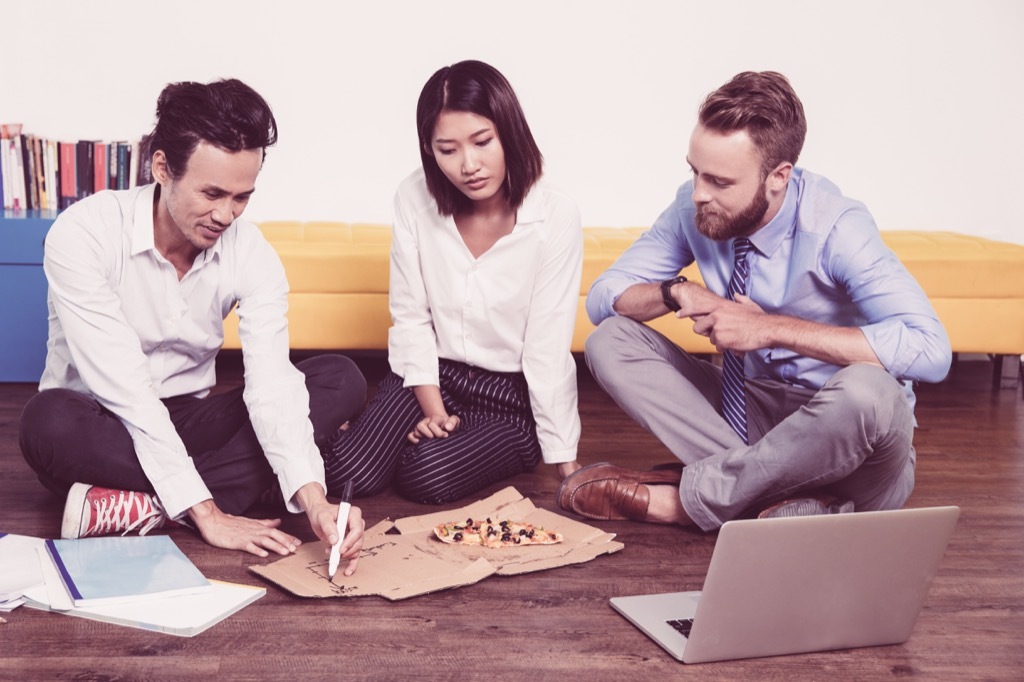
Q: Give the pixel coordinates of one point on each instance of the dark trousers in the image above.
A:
(496, 438)
(68, 437)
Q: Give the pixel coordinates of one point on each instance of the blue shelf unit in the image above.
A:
(23, 315)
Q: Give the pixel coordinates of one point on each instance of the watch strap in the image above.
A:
(666, 292)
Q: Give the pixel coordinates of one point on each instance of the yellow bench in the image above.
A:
(338, 274)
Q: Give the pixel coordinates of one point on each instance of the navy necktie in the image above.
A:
(734, 401)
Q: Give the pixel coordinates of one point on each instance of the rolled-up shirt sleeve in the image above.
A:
(548, 364)
(659, 254)
(901, 325)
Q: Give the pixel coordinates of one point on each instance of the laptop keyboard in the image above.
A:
(683, 625)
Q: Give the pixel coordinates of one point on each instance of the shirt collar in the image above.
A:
(778, 229)
(532, 209)
(143, 237)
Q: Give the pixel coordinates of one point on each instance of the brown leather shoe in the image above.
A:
(610, 493)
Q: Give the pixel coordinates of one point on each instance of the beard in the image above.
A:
(724, 227)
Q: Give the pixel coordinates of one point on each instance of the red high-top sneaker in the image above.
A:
(92, 510)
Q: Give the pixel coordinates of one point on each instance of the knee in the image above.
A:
(418, 480)
(48, 426)
(869, 390)
(366, 487)
(606, 342)
(334, 377)
(46, 416)
(434, 492)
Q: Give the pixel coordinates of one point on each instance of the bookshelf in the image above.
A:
(23, 315)
(42, 176)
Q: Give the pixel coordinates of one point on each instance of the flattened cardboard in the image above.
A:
(390, 566)
(412, 561)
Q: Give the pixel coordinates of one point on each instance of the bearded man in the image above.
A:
(822, 332)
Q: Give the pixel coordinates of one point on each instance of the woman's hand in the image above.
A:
(435, 426)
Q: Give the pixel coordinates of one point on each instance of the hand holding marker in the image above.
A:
(343, 510)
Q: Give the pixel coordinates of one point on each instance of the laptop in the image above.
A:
(802, 584)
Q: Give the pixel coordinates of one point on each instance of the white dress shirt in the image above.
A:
(513, 309)
(126, 331)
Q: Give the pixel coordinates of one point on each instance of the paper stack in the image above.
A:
(19, 568)
(141, 581)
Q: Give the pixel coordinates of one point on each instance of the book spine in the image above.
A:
(113, 183)
(99, 173)
(5, 176)
(68, 175)
(133, 165)
(37, 154)
(51, 155)
(51, 191)
(35, 190)
(31, 172)
(122, 164)
(84, 168)
(20, 193)
(26, 170)
(9, 134)
(145, 173)
(29, 167)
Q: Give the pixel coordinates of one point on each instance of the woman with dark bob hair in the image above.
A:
(485, 277)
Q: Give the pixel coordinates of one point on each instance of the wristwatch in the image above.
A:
(666, 292)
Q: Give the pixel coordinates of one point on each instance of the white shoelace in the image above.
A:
(114, 515)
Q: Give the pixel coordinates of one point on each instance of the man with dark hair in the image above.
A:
(821, 328)
(139, 284)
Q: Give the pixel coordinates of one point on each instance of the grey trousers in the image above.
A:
(852, 438)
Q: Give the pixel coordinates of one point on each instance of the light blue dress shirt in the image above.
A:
(820, 259)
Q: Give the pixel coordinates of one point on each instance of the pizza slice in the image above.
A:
(495, 534)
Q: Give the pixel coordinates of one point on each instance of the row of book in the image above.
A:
(39, 173)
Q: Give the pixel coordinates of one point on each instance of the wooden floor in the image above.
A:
(557, 624)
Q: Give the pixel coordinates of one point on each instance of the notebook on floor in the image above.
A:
(802, 584)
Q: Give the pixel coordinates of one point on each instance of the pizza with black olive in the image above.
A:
(495, 534)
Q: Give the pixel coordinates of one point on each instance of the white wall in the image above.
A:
(916, 107)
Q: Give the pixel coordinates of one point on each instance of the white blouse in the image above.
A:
(513, 309)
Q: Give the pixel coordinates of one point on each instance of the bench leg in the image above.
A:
(1005, 371)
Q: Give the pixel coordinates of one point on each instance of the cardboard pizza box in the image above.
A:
(403, 559)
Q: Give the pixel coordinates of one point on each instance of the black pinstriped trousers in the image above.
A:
(496, 438)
